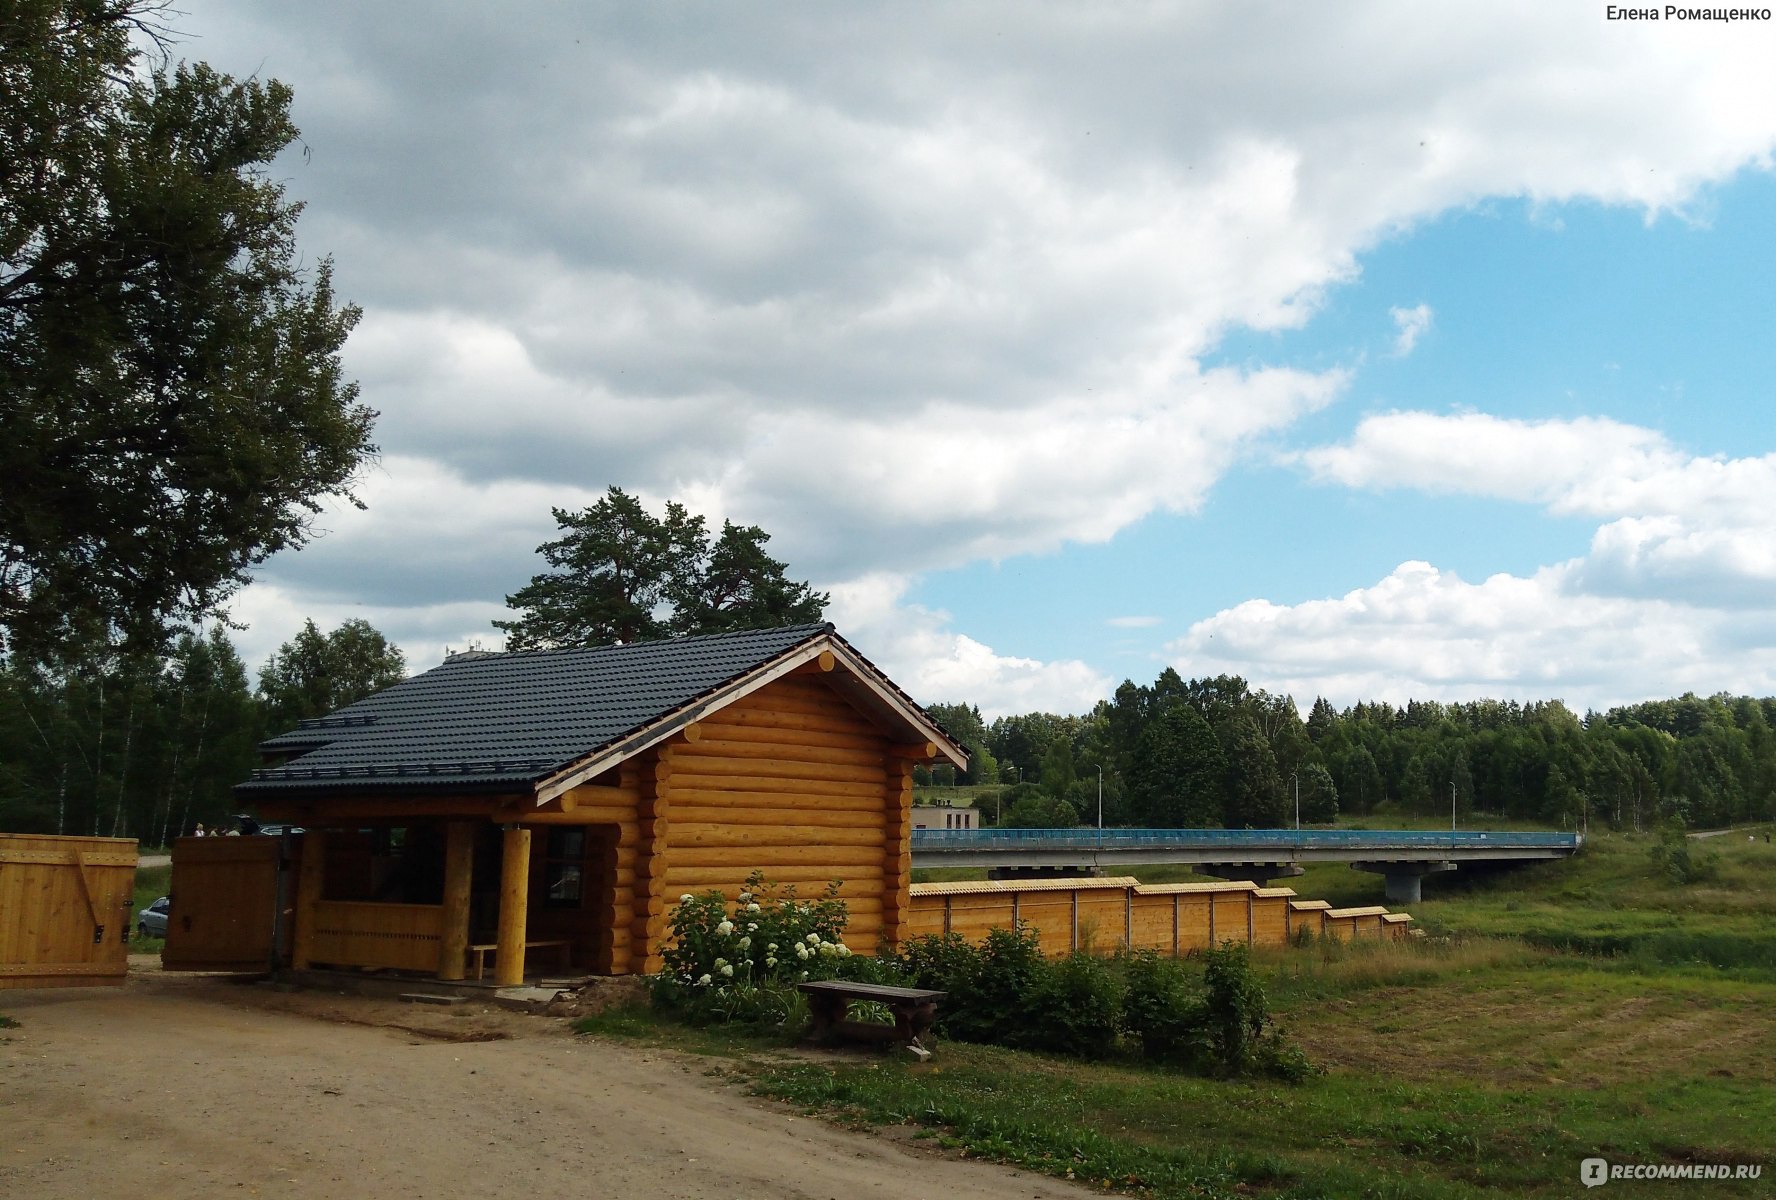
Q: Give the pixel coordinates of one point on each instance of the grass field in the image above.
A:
(1554, 1013)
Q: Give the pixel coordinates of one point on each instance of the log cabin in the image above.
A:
(558, 803)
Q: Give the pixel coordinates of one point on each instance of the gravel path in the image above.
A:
(180, 1086)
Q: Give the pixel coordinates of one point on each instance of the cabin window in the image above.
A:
(564, 867)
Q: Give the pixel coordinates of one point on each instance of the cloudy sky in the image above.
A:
(1367, 349)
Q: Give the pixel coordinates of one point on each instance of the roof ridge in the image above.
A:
(467, 656)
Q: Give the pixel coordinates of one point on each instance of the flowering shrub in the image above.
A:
(741, 961)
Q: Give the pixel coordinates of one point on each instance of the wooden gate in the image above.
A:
(65, 909)
(226, 904)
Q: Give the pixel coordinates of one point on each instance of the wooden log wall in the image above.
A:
(793, 781)
(65, 916)
(1105, 915)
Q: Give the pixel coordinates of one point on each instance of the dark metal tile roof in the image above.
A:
(503, 721)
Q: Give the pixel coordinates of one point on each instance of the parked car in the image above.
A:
(152, 921)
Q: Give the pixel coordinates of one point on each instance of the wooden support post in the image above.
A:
(1128, 918)
(1074, 945)
(309, 882)
(1175, 939)
(1251, 903)
(459, 864)
(1213, 944)
(514, 906)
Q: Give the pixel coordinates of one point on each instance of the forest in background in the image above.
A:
(98, 741)
(102, 742)
(1213, 752)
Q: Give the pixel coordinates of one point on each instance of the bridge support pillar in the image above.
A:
(1081, 871)
(1403, 882)
(1259, 873)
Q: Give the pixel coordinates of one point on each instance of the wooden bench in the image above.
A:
(914, 1009)
(479, 951)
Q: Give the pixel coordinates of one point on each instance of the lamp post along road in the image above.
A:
(1100, 767)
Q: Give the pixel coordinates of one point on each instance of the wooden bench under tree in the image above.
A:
(914, 1009)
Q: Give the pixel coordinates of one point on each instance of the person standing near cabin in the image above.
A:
(200, 830)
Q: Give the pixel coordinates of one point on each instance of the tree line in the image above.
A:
(104, 741)
(1215, 753)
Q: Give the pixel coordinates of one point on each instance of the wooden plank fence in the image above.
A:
(1107, 914)
(65, 910)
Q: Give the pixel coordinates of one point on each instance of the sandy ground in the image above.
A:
(191, 1086)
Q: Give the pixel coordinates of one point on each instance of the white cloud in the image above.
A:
(1427, 634)
(1410, 324)
(919, 651)
(1673, 594)
(919, 286)
(1688, 527)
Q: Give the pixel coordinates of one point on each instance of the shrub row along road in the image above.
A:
(178, 1086)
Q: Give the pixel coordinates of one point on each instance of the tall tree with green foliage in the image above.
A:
(174, 409)
(313, 673)
(1178, 770)
(621, 574)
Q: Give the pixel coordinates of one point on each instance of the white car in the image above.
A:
(152, 921)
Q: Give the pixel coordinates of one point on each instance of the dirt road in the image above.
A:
(178, 1087)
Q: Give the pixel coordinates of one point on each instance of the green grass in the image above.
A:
(1555, 1012)
(1481, 1068)
(1610, 900)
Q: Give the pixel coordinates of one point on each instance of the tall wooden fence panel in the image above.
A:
(65, 910)
(225, 904)
(1105, 915)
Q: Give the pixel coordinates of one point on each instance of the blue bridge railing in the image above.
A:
(1235, 839)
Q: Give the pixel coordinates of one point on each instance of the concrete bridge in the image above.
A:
(1402, 857)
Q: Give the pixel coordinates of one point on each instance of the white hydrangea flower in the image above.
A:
(772, 947)
(844, 951)
(745, 897)
(728, 971)
(752, 927)
(770, 962)
(721, 962)
(744, 943)
(752, 908)
(725, 928)
(686, 898)
(705, 981)
(813, 939)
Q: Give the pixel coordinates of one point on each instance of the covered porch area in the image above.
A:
(459, 898)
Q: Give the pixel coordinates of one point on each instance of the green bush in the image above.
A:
(1163, 1010)
(1676, 856)
(1074, 1007)
(1004, 992)
(1240, 1037)
(741, 963)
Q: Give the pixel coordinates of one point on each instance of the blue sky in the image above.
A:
(1537, 312)
(1374, 350)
